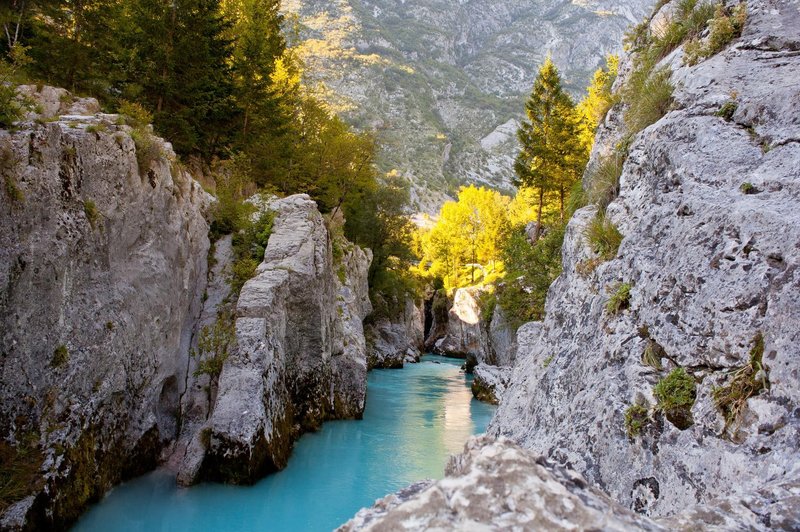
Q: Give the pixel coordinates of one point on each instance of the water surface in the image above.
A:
(414, 419)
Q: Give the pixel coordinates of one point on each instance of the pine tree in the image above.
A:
(551, 158)
(179, 68)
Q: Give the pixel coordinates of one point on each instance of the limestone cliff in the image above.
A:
(708, 207)
(102, 269)
(713, 267)
(393, 341)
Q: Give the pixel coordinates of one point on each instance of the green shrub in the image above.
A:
(746, 382)
(134, 114)
(530, 270)
(250, 239)
(603, 236)
(214, 345)
(636, 417)
(604, 180)
(748, 188)
(723, 28)
(676, 394)
(620, 300)
(727, 110)
(96, 128)
(60, 356)
(92, 214)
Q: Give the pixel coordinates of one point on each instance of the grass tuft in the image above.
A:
(747, 381)
(603, 236)
(676, 394)
(620, 300)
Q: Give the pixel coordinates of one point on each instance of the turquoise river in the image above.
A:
(415, 418)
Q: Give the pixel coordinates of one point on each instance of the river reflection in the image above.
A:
(415, 418)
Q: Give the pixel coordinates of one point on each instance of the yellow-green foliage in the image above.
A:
(636, 417)
(464, 246)
(598, 100)
(148, 149)
(603, 236)
(723, 28)
(676, 394)
(620, 300)
(649, 97)
(746, 382)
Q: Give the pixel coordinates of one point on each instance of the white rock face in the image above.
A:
(110, 263)
(478, 494)
(301, 356)
(471, 334)
(496, 485)
(711, 266)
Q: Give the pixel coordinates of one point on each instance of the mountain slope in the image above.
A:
(442, 82)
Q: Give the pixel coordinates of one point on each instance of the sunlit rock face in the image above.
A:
(442, 82)
(712, 265)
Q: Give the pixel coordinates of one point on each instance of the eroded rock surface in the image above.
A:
(301, 356)
(102, 270)
(496, 485)
(709, 211)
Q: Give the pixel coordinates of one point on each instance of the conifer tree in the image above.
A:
(551, 158)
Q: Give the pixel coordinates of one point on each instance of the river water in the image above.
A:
(414, 419)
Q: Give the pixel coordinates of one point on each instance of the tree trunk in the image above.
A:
(538, 232)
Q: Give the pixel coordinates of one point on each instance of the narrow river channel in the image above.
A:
(415, 418)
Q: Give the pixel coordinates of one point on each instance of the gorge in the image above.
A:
(225, 325)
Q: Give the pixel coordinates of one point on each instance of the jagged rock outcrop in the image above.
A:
(301, 355)
(497, 485)
(490, 382)
(464, 335)
(479, 494)
(709, 208)
(102, 270)
(391, 342)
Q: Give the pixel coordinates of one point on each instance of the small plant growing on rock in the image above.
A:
(636, 417)
(96, 128)
(604, 180)
(653, 353)
(91, 211)
(60, 356)
(547, 361)
(620, 300)
(727, 111)
(215, 345)
(748, 188)
(13, 191)
(604, 237)
(747, 381)
(676, 394)
(723, 28)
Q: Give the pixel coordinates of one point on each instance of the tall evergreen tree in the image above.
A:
(551, 157)
(179, 62)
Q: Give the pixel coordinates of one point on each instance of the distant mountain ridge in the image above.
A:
(441, 82)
